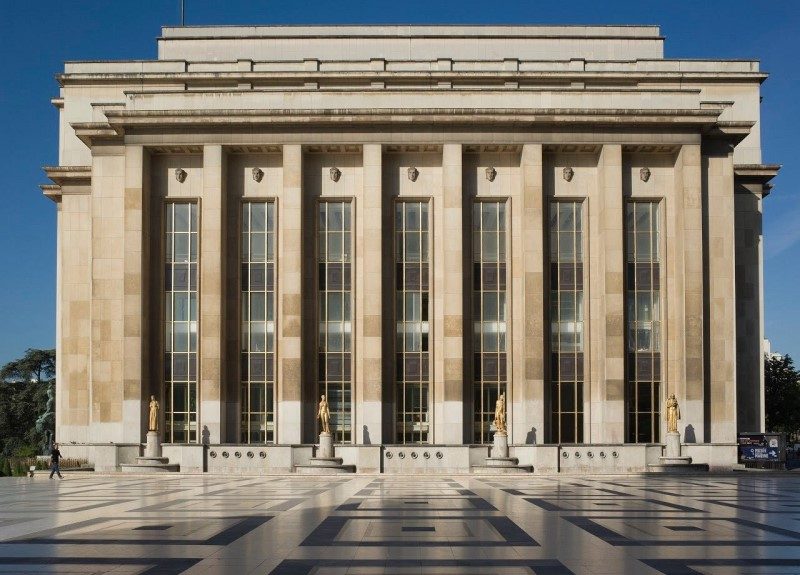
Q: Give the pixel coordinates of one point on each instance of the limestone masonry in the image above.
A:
(412, 221)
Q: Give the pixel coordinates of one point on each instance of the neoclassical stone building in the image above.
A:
(411, 220)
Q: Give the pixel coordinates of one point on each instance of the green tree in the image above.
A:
(24, 386)
(782, 394)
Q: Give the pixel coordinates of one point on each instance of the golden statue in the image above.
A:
(500, 414)
(673, 414)
(324, 415)
(153, 414)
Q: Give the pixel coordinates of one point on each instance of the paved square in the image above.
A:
(746, 523)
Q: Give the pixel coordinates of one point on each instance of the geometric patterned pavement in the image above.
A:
(745, 523)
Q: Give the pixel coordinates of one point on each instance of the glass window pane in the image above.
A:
(257, 247)
(334, 306)
(566, 216)
(489, 251)
(334, 247)
(257, 306)
(346, 214)
(258, 218)
(642, 216)
(181, 249)
(412, 216)
(489, 216)
(182, 216)
(270, 209)
(335, 217)
(412, 247)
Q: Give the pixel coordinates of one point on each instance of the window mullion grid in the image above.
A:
(171, 239)
(560, 325)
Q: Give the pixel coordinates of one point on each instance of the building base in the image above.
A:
(501, 465)
(324, 466)
(324, 462)
(678, 468)
(673, 461)
(427, 459)
(152, 462)
(150, 465)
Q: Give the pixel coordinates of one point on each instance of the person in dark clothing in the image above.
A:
(55, 458)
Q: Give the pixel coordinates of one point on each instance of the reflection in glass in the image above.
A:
(643, 322)
(566, 322)
(257, 424)
(334, 239)
(411, 317)
(488, 313)
(180, 322)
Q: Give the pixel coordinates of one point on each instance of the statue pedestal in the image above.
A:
(325, 445)
(672, 461)
(324, 462)
(153, 447)
(499, 461)
(500, 448)
(673, 446)
(152, 462)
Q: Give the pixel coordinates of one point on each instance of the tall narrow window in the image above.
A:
(566, 322)
(411, 315)
(643, 311)
(488, 312)
(258, 322)
(180, 322)
(335, 314)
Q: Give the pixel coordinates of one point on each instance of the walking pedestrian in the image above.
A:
(55, 458)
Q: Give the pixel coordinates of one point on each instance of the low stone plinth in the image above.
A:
(504, 465)
(322, 468)
(324, 463)
(150, 465)
(152, 462)
(500, 462)
(678, 468)
(152, 448)
(673, 461)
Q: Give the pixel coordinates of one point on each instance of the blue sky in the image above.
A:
(36, 37)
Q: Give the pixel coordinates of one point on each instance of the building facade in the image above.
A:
(410, 220)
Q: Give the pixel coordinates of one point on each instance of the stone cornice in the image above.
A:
(120, 119)
(353, 76)
(757, 174)
(93, 132)
(75, 180)
(69, 175)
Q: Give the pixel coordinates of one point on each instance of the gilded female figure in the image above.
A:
(153, 414)
(673, 414)
(324, 415)
(500, 414)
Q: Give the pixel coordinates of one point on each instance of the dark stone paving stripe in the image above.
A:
(158, 566)
(224, 537)
(537, 566)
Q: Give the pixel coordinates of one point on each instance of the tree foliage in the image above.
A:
(24, 385)
(782, 394)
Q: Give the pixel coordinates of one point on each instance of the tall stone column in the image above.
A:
(450, 427)
(212, 339)
(107, 296)
(134, 287)
(368, 300)
(526, 417)
(721, 329)
(289, 286)
(607, 300)
(692, 211)
(73, 330)
(749, 305)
